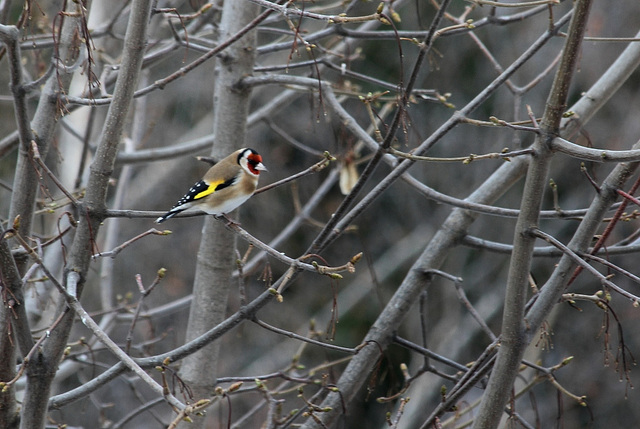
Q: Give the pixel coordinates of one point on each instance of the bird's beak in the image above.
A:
(260, 166)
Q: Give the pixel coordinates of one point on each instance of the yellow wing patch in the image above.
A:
(213, 186)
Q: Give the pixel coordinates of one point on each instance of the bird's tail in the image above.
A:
(168, 215)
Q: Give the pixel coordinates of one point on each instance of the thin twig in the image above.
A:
(318, 166)
(144, 292)
(114, 252)
(583, 264)
(504, 155)
(303, 338)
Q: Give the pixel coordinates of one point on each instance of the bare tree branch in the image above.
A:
(513, 337)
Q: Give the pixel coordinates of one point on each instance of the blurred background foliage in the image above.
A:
(391, 232)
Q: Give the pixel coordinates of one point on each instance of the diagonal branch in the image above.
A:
(513, 336)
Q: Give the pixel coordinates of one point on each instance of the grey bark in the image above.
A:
(44, 364)
(513, 339)
(216, 255)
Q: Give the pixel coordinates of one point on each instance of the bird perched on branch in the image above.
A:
(226, 185)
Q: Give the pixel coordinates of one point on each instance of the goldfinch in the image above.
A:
(226, 185)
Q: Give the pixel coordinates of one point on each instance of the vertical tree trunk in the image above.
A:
(513, 340)
(44, 364)
(23, 197)
(216, 255)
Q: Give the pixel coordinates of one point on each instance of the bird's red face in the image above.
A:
(254, 162)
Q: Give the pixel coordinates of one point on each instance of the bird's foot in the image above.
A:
(228, 221)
